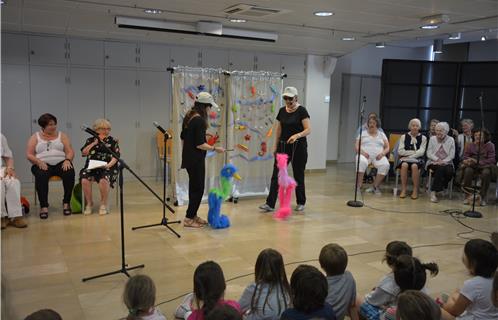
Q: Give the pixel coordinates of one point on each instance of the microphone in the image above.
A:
(158, 126)
(363, 101)
(89, 130)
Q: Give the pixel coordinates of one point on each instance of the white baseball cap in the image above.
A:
(205, 97)
(290, 92)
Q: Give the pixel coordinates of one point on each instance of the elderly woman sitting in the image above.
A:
(440, 154)
(106, 175)
(411, 151)
(374, 147)
(485, 168)
(465, 137)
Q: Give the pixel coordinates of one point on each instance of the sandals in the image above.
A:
(66, 211)
(192, 223)
(199, 220)
(43, 214)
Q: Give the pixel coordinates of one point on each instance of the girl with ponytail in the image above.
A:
(139, 297)
(209, 290)
(474, 300)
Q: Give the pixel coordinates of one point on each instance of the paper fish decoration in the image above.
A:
(247, 137)
(242, 147)
(269, 132)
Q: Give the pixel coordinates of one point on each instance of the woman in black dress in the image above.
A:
(292, 127)
(194, 150)
(104, 176)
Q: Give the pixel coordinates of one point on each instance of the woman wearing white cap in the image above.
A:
(292, 127)
(194, 150)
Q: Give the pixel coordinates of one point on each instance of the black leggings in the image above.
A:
(196, 176)
(42, 177)
(298, 156)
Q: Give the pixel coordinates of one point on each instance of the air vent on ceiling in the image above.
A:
(248, 10)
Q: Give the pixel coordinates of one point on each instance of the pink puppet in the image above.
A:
(286, 186)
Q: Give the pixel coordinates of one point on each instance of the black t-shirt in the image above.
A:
(326, 312)
(193, 135)
(292, 123)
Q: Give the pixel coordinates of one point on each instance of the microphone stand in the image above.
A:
(357, 203)
(473, 213)
(124, 266)
(164, 220)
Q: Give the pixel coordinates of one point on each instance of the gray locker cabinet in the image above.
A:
(122, 109)
(14, 48)
(82, 52)
(85, 104)
(155, 105)
(121, 54)
(47, 50)
(16, 122)
(155, 56)
(213, 58)
(49, 94)
(185, 56)
(268, 62)
(241, 60)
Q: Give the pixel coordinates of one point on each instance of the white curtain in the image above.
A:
(254, 98)
(248, 104)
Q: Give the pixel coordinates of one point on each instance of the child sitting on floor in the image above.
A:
(139, 297)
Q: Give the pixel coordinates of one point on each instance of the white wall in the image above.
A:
(317, 88)
(367, 61)
(483, 51)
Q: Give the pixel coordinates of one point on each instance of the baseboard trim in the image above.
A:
(324, 170)
(331, 162)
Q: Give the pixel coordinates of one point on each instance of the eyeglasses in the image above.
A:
(103, 128)
(288, 98)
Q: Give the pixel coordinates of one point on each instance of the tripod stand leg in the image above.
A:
(122, 270)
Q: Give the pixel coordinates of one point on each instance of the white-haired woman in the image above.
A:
(374, 148)
(465, 137)
(440, 154)
(411, 151)
(104, 176)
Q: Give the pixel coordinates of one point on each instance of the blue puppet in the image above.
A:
(217, 195)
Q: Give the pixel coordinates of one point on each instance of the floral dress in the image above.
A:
(98, 152)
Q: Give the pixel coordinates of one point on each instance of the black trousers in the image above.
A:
(42, 177)
(441, 176)
(298, 156)
(196, 177)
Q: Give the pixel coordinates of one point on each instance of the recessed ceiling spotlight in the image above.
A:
(380, 45)
(483, 38)
(238, 20)
(323, 13)
(429, 27)
(153, 11)
(455, 36)
(348, 38)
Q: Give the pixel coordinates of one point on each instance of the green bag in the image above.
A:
(76, 203)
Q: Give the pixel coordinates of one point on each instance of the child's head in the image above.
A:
(224, 312)
(270, 270)
(394, 249)
(44, 314)
(480, 257)
(333, 259)
(416, 305)
(409, 272)
(309, 288)
(209, 285)
(139, 295)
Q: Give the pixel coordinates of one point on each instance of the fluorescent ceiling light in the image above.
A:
(153, 11)
(380, 45)
(429, 27)
(455, 36)
(238, 20)
(438, 46)
(348, 38)
(323, 13)
(483, 38)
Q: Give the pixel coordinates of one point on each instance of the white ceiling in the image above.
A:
(299, 31)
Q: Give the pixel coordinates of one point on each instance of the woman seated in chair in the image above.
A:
(106, 175)
(374, 147)
(440, 154)
(411, 151)
(484, 170)
(51, 154)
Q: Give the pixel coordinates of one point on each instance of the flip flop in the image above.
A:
(43, 215)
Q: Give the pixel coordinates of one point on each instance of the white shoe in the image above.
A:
(377, 191)
(483, 203)
(433, 197)
(88, 210)
(370, 190)
(300, 207)
(103, 210)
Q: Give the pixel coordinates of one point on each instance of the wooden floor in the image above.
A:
(42, 266)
